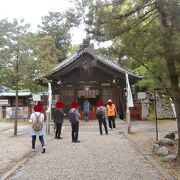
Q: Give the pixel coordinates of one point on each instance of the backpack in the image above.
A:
(100, 113)
(72, 117)
(37, 124)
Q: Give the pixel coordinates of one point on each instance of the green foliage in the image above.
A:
(151, 116)
(11, 49)
(73, 48)
(47, 52)
(24, 56)
(58, 26)
(141, 35)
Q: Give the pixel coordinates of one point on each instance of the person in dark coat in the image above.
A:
(58, 117)
(75, 124)
(102, 119)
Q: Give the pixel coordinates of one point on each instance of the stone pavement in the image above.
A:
(98, 156)
(110, 156)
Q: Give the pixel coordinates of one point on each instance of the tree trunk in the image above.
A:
(16, 110)
(169, 22)
(16, 101)
(177, 107)
(173, 76)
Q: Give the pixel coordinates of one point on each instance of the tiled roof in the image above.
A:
(103, 60)
(4, 88)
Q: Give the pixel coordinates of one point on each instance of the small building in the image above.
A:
(26, 100)
(86, 74)
(7, 103)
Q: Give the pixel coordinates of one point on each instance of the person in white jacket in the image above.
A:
(40, 133)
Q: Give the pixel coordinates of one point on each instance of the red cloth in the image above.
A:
(99, 103)
(59, 104)
(109, 103)
(74, 104)
(38, 108)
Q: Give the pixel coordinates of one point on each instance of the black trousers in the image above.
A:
(111, 120)
(102, 121)
(41, 138)
(75, 130)
(58, 130)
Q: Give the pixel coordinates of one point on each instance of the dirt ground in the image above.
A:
(145, 140)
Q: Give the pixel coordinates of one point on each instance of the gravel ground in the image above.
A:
(97, 157)
(13, 148)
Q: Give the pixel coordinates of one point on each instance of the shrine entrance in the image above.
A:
(92, 96)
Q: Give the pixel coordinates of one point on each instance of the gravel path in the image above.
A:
(13, 148)
(97, 157)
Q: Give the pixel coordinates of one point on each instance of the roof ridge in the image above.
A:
(101, 58)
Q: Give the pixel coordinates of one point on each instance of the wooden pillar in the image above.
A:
(121, 99)
(101, 94)
(75, 94)
(60, 89)
(114, 94)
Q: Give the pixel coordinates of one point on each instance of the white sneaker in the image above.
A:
(114, 129)
(33, 150)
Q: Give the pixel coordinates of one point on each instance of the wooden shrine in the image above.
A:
(86, 74)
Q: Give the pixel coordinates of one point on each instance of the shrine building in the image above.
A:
(86, 74)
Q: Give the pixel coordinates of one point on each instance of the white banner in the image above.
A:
(173, 107)
(49, 97)
(129, 93)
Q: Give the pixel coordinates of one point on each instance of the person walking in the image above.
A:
(37, 123)
(86, 106)
(111, 113)
(101, 115)
(74, 116)
(58, 117)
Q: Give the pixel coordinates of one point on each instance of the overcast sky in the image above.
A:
(32, 11)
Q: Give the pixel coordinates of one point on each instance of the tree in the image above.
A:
(11, 54)
(58, 26)
(24, 57)
(147, 31)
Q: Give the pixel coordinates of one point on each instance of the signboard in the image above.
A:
(4, 102)
(22, 112)
(88, 93)
(141, 95)
(36, 97)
